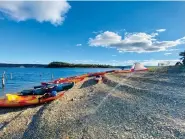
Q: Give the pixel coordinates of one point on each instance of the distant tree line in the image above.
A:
(70, 65)
(23, 65)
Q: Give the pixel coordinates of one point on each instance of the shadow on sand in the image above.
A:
(88, 83)
(34, 122)
(20, 110)
(3, 125)
(17, 109)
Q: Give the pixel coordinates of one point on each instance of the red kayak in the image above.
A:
(96, 74)
(65, 80)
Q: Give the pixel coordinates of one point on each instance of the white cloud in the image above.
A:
(105, 39)
(79, 44)
(151, 62)
(172, 50)
(161, 30)
(166, 54)
(41, 11)
(133, 42)
(155, 62)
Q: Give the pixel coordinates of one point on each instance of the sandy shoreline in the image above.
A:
(136, 106)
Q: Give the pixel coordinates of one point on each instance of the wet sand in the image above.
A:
(138, 105)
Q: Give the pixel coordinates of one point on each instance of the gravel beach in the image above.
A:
(123, 106)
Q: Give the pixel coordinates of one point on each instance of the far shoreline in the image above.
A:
(60, 65)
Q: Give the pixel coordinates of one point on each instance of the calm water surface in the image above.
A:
(24, 78)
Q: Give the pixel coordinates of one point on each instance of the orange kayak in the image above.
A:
(75, 80)
(96, 74)
(65, 80)
(22, 101)
(122, 71)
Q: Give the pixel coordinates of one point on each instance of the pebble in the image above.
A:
(127, 128)
(1, 125)
(73, 99)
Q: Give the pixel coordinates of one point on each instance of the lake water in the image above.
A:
(24, 78)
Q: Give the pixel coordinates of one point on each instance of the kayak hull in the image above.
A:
(58, 81)
(97, 74)
(27, 101)
(122, 71)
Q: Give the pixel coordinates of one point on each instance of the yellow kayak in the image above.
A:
(13, 100)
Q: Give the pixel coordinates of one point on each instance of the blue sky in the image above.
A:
(118, 33)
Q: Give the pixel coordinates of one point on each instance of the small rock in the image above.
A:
(73, 99)
(1, 125)
(80, 97)
(177, 133)
(127, 128)
(96, 103)
(28, 122)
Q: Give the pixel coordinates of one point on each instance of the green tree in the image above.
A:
(64, 64)
(183, 57)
